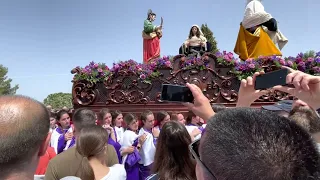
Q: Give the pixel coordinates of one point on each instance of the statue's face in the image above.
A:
(194, 30)
(152, 17)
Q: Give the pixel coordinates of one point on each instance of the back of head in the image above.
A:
(82, 118)
(253, 144)
(218, 107)
(91, 143)
(306, 118)
(172, 158)
(24, 126)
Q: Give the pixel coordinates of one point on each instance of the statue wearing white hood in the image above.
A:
(259, 34)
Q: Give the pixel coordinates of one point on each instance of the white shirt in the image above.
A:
(116, 172)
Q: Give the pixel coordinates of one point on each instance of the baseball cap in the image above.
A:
(284, 105)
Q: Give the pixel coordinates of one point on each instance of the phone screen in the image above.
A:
(176, 93)
(271, 79)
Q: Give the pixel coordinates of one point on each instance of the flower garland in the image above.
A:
(99, 72)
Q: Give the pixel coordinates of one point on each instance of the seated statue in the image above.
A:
(196, 44)
(259, 34)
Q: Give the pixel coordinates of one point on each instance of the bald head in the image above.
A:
(24, 125)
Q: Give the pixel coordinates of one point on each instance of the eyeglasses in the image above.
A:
(194, 149)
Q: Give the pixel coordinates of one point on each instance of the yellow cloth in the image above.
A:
(252, 46)
(149, 36)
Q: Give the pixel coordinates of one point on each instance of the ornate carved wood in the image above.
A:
(125, 92)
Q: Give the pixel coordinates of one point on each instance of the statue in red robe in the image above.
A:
(151, 35)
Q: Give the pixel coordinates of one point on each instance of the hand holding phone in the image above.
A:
(271, 79)
(176, 93)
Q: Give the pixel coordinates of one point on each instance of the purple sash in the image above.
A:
(61, 141)
(132, 163)
(116, 145)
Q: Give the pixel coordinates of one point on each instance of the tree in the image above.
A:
(59, 100)
(5, 83)
(308, 54)
(209, 35)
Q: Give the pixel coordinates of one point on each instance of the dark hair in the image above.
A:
(218, 107)
(151, 14)
(253, 144)
(102, 113)
(53, 115)
(83, 117)
(161, 115)
(190, 115)
(173, 160)
(128, 118)
(92, 142)
(61, 113)
(306, 118)
(24, 126)
(145, 114)
(114, 115)
(191, 33)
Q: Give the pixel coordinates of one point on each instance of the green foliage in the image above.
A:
(59, 100)
(308, 54)
(5, 83)
(209, 35)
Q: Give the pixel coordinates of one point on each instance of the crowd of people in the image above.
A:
(212, 142)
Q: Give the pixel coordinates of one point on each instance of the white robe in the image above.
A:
(148, 149)
(127, 140)
(119, 132)
(190, 129)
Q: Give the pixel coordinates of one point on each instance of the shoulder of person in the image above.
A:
(120, 169)
(69, 155)
(153, 177)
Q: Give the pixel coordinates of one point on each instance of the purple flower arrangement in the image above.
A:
(94, 72)
(243, 69)
(193, 62)
(98, 72)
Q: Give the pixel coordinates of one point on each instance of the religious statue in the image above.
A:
(196, 44)
(259, 34)
(151, 35)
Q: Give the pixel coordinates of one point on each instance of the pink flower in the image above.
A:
(252, 66)
(168, 63)
(96, 65)
(230, 55)
(116, 66)
(290, 63)
(142, 76)
(139, 69)
(249, 60)
(282, 62)
(310, 59)
(99, 70)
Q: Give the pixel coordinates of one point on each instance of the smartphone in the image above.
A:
(176, 93)
(271, 79)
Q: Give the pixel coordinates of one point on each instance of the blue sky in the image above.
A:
(42, 40)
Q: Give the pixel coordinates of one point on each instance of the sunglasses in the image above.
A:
(194, 149)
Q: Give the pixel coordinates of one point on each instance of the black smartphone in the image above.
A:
(176, 93)
(271, 79)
